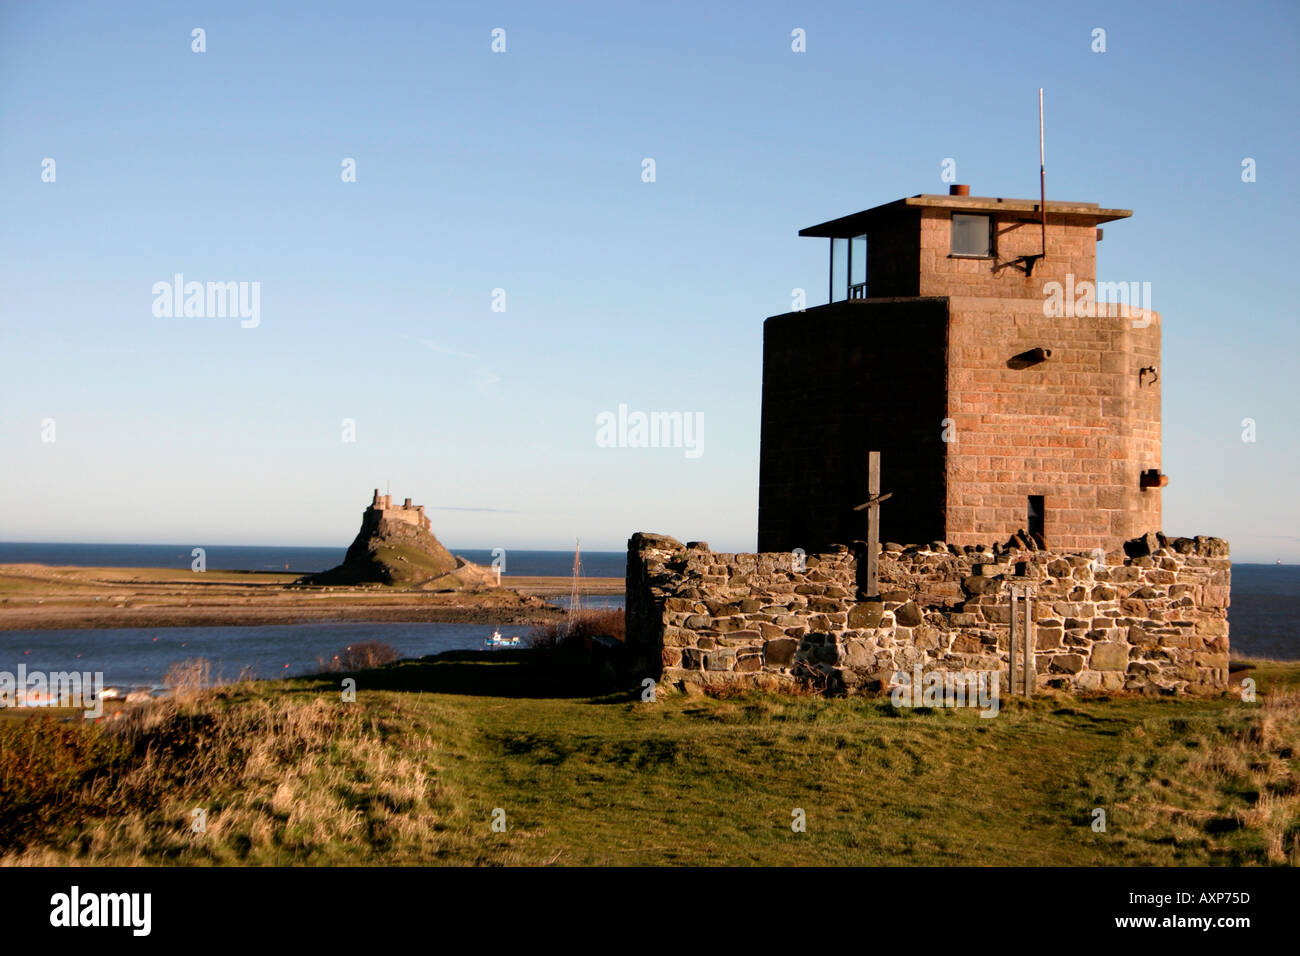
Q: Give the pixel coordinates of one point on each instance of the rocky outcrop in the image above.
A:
(393, 550)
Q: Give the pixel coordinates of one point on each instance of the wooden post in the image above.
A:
(1028, 634)
(1011, 642)
(1020, 640)
(873, 526)
(872, 506)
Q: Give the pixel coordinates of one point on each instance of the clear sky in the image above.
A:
(523, 171)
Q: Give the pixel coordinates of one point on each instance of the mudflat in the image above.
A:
(44, 597)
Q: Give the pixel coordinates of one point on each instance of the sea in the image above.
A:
(595, 564)
(1264, 617)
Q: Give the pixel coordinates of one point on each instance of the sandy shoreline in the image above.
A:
(41, 597)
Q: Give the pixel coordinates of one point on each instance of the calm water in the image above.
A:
(139, 657)
(591, 602)
(1264, 617)
(595, 564)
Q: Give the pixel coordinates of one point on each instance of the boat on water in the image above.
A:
(496, 640)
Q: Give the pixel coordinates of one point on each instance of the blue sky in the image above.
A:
(522, 171)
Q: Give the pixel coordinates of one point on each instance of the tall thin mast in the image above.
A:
(575, 595)
(1042, 173)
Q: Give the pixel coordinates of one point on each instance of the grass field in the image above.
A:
(413, 771)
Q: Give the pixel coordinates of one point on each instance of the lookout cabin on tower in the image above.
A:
(964, 340)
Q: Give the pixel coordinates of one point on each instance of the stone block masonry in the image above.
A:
(996, 399)
(1151, 619)
(966, 434)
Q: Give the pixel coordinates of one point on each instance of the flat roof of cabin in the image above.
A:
(1073, 212)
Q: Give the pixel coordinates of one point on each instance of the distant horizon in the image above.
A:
(467, 547)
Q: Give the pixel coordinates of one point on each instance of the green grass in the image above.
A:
(412, 772)
(408, 563)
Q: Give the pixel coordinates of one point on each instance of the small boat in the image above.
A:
(496, 640)
(32, 698)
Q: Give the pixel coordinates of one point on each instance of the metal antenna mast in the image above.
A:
(1032, 260)
(575, 595)
(1042, 175)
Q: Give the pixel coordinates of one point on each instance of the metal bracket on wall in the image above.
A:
(1029, 262)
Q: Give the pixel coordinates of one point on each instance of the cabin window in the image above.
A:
(858, 267)
(1036, 515)
(839, 270)
(972, 236)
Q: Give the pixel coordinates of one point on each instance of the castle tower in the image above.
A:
(1001, 395)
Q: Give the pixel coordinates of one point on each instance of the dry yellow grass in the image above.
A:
(288, 773)
(294, 778)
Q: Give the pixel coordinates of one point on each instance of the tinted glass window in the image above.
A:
(971, 235)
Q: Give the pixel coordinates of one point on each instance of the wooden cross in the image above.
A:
(872, 506)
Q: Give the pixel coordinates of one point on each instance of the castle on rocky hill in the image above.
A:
(396, 545)
(383, 509)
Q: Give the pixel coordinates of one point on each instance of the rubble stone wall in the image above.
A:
(1152, 618)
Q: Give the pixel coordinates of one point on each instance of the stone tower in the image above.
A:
(1001, 394)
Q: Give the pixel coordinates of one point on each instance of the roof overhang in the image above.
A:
(1073, 213)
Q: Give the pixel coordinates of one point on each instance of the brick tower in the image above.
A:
(1001, 394)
